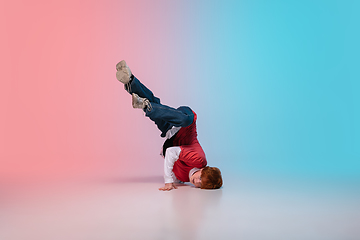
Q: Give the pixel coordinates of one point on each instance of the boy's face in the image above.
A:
(196, 178)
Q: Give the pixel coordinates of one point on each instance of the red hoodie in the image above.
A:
(191, 155)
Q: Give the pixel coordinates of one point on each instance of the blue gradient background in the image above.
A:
(277, 86)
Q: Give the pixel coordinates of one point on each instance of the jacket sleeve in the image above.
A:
(171, 156)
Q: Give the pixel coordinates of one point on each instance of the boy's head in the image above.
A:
(211, 178)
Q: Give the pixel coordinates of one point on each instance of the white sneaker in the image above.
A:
(123, 73)
(138, 102)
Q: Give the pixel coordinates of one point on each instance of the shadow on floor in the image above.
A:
(138, 179)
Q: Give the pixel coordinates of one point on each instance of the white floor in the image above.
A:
(133, 208)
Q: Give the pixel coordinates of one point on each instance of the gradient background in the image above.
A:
(275, 85)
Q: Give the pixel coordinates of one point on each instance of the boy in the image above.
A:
(185, 159)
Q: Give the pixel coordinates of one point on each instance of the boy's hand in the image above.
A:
(168, 187)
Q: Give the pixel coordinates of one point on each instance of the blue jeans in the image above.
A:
(165, 117)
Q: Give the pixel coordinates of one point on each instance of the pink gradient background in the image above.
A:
(63, 113)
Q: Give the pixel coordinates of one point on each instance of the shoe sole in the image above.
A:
(120, 65)
(123, 73)
(123, 76)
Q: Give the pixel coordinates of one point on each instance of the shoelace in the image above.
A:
(128, 87)
(148, 104)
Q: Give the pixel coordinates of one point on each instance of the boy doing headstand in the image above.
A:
(185, 159)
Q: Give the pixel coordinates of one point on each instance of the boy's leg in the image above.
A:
(135, 86)
(166, 117)
(132, 84)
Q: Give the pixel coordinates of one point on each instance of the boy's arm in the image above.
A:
(171, 155)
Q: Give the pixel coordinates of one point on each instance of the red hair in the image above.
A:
(211, 178)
